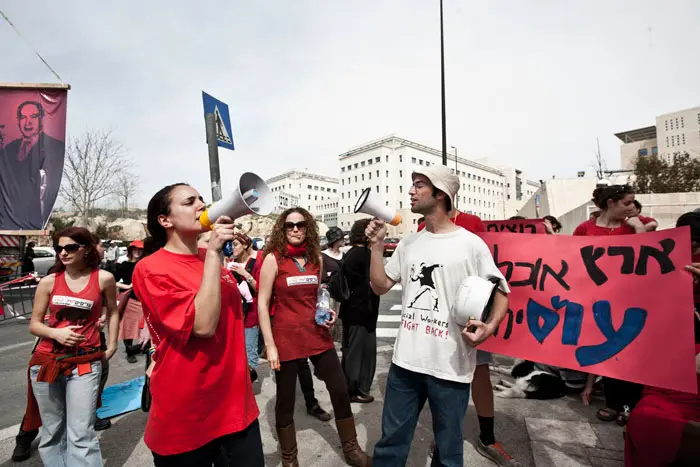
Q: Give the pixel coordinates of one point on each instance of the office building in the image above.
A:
(385, 165)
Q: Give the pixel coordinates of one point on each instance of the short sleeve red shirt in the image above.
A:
(469, 222)
(201, 386)
(591, 229)
(645, 220)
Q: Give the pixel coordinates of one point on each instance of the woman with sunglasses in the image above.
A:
(66, 367)
(202, 404)
(291, 274)
(616, 205)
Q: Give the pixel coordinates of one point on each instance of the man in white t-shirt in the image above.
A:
(434, 358)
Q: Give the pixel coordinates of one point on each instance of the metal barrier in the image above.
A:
(17, 296)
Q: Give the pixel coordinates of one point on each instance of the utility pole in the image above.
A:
(213, 144)
(442, 70)
(456, 172)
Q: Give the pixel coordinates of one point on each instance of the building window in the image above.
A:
(369, 176)
(400, 189)
(355, 164)
(420, 161)
(386, 189)
(369, 161)
(387, 174)
(342, 182)
(400, 204)
(342, 196)
(682, 122)
(386, 158)
(413, 160)
(308, 187)
(335, 190)
(386, 203)
(363, 177)
(309, 197)
(642, 152)
(667, 141)
(362, 163)
(356, 193)
(355, 178)
(683, 138)
(400, 173)
(377, 173)
(400, 158)
(377, 188)
(342, 169)
(342, 210)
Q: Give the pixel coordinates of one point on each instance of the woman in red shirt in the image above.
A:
(616, 204)
(203, 404)
(66, 366)
(291, 274)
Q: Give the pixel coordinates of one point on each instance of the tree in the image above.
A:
(655, 175)
(59, 224)
(600, 166)
(127, 186)
(101, 231)
(94, 164)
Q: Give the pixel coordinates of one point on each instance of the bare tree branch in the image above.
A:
(94, 164)
(600, 166)
(127, 186)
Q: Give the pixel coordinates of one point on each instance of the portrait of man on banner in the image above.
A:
(32, 151)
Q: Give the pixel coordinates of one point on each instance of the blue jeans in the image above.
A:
(67, 409)
(251, 346)
(406, 393)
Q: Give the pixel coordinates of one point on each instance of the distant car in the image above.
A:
(390, 245)
(44, 258)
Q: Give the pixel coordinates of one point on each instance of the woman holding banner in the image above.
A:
(664, 428)
(203, 404)
(291, 274)
(616, 204)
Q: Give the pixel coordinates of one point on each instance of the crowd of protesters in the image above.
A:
(207, 321)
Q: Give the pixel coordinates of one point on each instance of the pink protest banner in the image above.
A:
(516, 226)
(32, 149)
(618, 306)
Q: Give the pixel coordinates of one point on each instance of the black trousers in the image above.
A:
(621, 393)
(330, 372)
(359, 358)
(237, 449)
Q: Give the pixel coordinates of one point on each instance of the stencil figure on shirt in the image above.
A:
(427, 284)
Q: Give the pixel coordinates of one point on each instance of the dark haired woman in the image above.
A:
(616, 204)
(551, 225)
(359, 316)
(203, 404)
(66, 367)
(132, 312)
(242, 267)
(291, 274)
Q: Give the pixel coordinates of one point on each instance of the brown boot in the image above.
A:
(354, 455)
(288, 443)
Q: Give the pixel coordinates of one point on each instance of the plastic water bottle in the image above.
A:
(323, 305)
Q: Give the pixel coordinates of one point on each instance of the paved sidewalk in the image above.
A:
(538, 433)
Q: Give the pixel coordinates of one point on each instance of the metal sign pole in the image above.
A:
(213, 145)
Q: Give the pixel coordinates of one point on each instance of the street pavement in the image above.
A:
(558, 433)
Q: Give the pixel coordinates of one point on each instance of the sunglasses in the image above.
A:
(292, 225)
(70, 248)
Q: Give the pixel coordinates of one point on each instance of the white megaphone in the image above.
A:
(371, 205)
(251, 196)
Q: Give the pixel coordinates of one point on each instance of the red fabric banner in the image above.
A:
(516, 226)
(618, 306)
(32, 148)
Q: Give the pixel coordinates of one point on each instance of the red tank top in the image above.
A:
(68, 308)
(294, 328)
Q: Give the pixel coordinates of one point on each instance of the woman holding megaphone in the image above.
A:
(291, 274)
(203, 404)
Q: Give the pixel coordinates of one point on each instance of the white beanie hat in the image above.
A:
(441, 178)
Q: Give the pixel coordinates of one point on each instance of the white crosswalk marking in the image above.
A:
(389, 318)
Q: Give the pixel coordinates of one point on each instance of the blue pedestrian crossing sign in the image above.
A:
(221, 118)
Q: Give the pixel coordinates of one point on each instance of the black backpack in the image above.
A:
(338, 285)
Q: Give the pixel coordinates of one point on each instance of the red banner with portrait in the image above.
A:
(32, 151)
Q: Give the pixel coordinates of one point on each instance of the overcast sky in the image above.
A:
(531, 84)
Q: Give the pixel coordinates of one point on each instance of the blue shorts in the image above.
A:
(483, 357)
